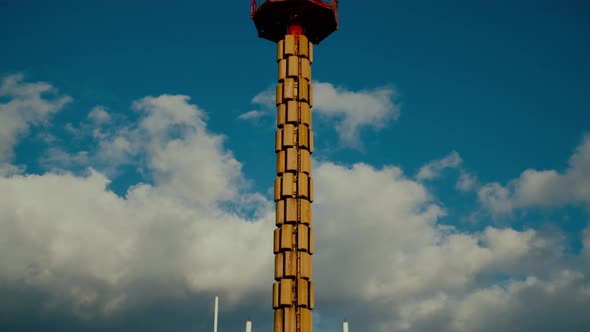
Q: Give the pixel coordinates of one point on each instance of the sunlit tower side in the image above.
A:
(295, 25)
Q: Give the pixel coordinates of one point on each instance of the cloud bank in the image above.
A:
(193, 229)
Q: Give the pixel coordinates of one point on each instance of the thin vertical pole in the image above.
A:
(215, 314)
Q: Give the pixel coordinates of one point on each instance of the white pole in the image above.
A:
(248, 326)
(345, 326)
(215, 315)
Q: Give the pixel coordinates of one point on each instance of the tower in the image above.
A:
(295, 25)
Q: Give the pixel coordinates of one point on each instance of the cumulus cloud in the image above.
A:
(95, 252)
(351, 110)
(433, 169)
(28, 104)
(99, 115)
(57, 158)
(254, 114)
(377, 232)
(194, 228)
(466, 182)
(265, 98)
(9, 170)
(556, 303)
(179, 152)
(396, 217)
(542, 188)
(84, 242)
(355, 110)
(496, 198)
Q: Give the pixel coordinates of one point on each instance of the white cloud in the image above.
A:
(266, 98)
(364, 211)
(496, 198)
(433, 169)
(378, 245)
(254, 114)
(29, 104)
(354, 110)
(557, 303)
(466, 182)
(81, 241)
(181, 154)
(546, 188)
(60, 159)
(195, 229)
(351, 110)
(10, 170)
(382, 199)
(99, 115)
(93, 251)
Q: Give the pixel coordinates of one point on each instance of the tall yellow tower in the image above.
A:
(295, 25)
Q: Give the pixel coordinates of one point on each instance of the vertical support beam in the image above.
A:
(293, 291)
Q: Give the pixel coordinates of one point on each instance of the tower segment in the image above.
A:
(295, 25)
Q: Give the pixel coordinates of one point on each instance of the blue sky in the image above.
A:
(452, 166)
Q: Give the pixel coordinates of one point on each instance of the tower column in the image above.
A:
(293, 292)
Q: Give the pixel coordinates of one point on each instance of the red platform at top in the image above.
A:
(273, 18)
